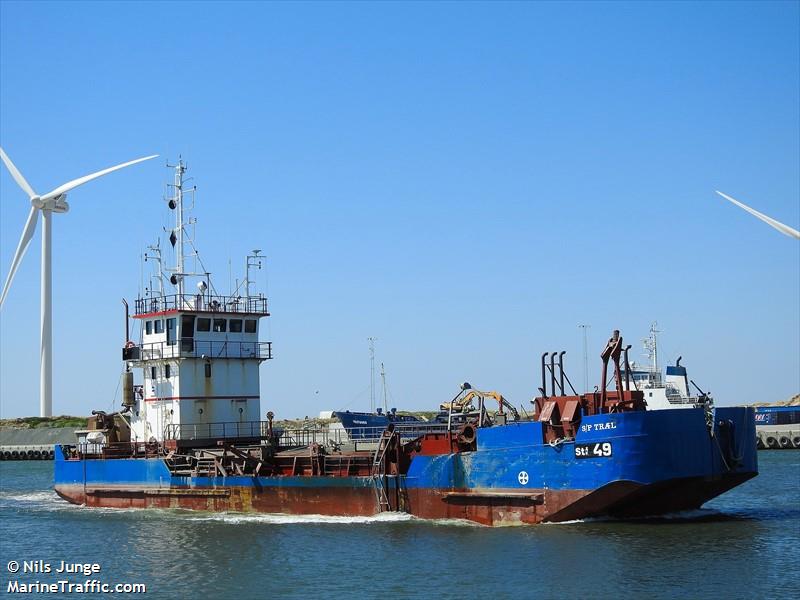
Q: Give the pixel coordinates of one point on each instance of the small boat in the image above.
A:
(364, 425)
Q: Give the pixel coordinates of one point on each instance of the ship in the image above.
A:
(362, 425)
(189, 434)
(662, 391)
(778, 427)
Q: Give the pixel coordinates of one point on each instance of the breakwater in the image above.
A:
(21, 443)
(778, 437)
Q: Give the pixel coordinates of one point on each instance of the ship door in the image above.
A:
(187, 333)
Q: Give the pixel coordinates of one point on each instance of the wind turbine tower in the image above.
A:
(52, 202)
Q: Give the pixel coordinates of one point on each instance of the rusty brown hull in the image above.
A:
(488, 507)
(339, 501)
(495, 508)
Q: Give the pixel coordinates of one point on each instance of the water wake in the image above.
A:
(49, 501)
(284, 519)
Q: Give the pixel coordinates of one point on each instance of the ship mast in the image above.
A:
(585, 358)
(383, 379)
(651, 346)
(176, 203)
(371, 341)
(252, 261)
(159, 276)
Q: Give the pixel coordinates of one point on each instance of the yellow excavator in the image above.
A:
(462, 403)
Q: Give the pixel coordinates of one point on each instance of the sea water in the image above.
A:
(744, 544)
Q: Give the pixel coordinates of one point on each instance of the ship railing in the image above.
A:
(298, 438)
(369, 435)
(255, 305)
(219, 431)
(293, 438)
(191, 348)
(116, 450)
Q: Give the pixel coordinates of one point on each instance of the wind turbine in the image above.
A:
(47, 204)
(784, 229)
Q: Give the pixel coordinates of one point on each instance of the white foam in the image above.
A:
(452, 522)
(284, 519)
(572, 522)
(31, 497)
(48, 500)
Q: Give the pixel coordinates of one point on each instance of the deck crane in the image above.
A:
(463, 401)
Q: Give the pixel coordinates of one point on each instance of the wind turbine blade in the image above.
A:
(22, 247)
(62, 189)
(784, 229)
(17, 175)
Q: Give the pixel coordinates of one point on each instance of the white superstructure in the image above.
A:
(661, 392)
(198, 351)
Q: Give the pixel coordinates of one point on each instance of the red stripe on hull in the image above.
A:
(178, 398)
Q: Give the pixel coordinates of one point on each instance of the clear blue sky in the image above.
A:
(465, 182)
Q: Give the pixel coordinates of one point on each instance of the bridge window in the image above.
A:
(170, 332)
(159, 326)
(167, 371)
(208, 370)
(250, 326)
(153, 373)
(148, 327)
(236, 326)
(187, 326)
(203, 324)
(220, 325)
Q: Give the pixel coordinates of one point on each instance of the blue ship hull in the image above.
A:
(625, 464)
(362, 426)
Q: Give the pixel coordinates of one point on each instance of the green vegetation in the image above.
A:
(423, 414)
(45, 422)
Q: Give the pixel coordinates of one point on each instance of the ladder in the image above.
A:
(208, 465)
(379, 476)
